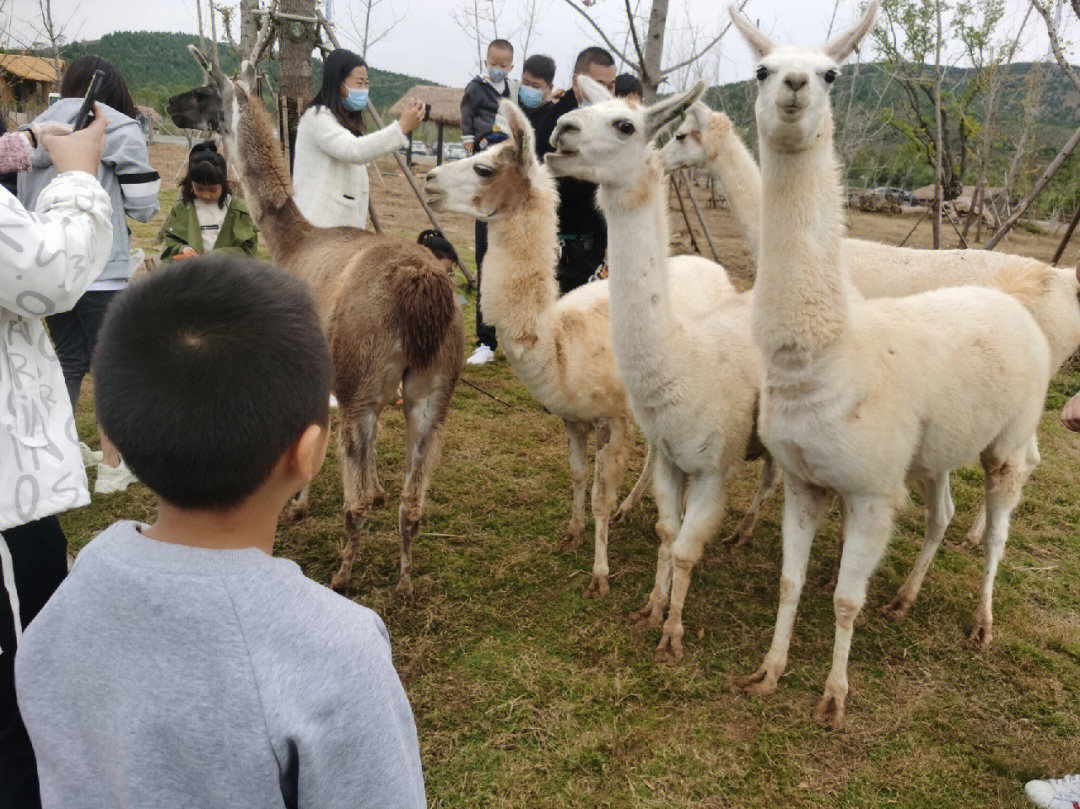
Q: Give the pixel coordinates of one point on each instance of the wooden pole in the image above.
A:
(686, 219)
(438, 154)
(700, 218)
(469, 277)
(917, 223)
(1065, 239)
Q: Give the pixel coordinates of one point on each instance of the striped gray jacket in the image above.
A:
(126, 175)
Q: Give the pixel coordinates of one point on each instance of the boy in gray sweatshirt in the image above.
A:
(181, 664)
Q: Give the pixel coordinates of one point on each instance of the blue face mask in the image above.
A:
(497, 74)
(356, 100)
(530, 97)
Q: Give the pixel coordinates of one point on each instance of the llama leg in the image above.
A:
(804, 509)
(868, 521)
(1004, 482)
(974, 536)
(704, 511)
(669, 482)
(636, 493)
(577, 435)
(939, 511)
(426, 406)
(612, 442)
(770, 479)
(356, 451)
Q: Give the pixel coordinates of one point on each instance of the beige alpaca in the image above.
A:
(692, 376)
(389, 313)
(560, 347)
(708, 139)
(864, 396)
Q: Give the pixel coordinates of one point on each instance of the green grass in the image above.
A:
(526, 694)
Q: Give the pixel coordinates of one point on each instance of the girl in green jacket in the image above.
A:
(207, 217)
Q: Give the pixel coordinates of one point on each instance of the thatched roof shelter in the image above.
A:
(30, 68)
(445, 103)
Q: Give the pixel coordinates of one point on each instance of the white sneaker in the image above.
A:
(89, 456)
(1060, 793)
(113, 478)
(482, 356)
(333, 402)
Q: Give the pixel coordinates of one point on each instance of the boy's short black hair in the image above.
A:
(437, 243)
(504, 44)
(628, 84)
(543, 67)
(206, 372)
(592, 56)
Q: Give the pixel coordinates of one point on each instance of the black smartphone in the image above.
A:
(427, 112)
(86, 111)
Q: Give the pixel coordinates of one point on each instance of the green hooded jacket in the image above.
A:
(237, 234)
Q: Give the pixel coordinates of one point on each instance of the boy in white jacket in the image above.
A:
(47, 260)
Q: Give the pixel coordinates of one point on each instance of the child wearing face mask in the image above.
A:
(332, 146)
(479, 106)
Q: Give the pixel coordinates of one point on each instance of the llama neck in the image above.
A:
(801, 301)
(517, 287)
(733, 167)
(638, 237)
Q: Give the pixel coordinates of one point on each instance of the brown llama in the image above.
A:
(387, 306)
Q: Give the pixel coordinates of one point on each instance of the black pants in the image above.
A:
(74, 334)
(578, 260)
(39, 563)
(485, 332)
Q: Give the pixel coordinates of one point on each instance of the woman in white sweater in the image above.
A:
(329, 174)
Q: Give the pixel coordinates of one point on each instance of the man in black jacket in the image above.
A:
(582, 232)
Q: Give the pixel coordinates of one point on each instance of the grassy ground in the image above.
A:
(526, 694)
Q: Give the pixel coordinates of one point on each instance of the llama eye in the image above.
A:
(482, 170)
(762, 73)
(680, 137)
(830, 76)
(625, 127)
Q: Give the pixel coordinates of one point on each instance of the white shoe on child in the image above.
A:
(1059, 793)
(112, 479)
(482, 356)
(90, 456)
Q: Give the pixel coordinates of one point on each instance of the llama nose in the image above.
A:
(796, 81)
(562, 128)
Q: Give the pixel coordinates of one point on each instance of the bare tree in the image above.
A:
(52, 31)
(647, 37)
(479, 20)
(371, 21)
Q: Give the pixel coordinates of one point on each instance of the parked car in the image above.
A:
(454, 151)
(419, 148)
(901, 195)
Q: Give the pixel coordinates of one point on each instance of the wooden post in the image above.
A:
(700, 218)
(686, 219)
(1065, 239)
(438, 155)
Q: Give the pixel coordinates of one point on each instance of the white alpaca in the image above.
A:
(559, 347)
(864, 396)
(693, 377)
(708, 139)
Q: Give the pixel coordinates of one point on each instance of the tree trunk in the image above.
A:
(654, 50)
(936, 222)
(249, 26)
(296, 41)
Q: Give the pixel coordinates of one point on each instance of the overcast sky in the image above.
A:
(428, 43)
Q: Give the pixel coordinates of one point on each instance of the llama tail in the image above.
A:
(1027, 281)
(424, 309)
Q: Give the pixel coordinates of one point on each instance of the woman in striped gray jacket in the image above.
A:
(132, 185)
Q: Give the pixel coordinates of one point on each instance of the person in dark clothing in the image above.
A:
(479, 106)
(534, 97)
(582, 232)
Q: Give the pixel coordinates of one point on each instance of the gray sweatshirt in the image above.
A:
(163, 675)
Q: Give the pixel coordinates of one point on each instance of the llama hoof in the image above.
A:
(598, 587)
(897, 609)
(380, 500)
(830, 712)
(404, 588)
(758, 684)
(980, 636)
(293, 511)
(340, 582)
(736, 540)
(647, 617)
(670, 651)
(571, 541)
(618, 519)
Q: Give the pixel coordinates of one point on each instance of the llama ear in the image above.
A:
(758, 42)
(592, 91)
(840, 47)
(214, 70)
(520, 130)
(663, 112)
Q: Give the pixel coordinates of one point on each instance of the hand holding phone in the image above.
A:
(82, 117)
(79, 151)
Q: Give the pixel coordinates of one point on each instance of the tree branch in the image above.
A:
(634, 36)
(611, 45)
(1055, 45)
(694, 57)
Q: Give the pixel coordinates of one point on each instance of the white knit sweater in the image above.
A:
(329, 175)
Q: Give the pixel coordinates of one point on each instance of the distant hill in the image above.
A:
(157, 65)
